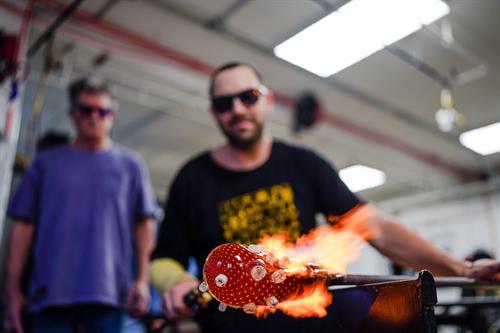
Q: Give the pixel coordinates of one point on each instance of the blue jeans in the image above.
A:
(79, 319)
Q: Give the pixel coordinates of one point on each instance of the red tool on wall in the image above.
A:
(8, 62)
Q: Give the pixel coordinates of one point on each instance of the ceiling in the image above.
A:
(379, 112)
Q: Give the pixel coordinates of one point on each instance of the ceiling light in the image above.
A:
(355, 31)
(445, 119)
(360, 177)
(483, 140)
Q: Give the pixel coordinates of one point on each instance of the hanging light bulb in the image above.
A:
(445, 119)
(447, 116)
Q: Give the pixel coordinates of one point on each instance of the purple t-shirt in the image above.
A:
(84, 206)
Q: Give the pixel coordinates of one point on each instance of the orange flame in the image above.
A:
(313, 305)
(310, 303)
(331, 247)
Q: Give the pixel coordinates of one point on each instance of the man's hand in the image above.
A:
(13, 318)
(484, 269)
(174, 307)
(138, 299)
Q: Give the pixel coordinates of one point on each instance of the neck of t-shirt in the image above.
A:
(229, 157)
(88, 144)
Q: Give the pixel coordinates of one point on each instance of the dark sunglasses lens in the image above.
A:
(225, 103)
(87, 111)
(249, 97)
(222, 104)
(104, 112)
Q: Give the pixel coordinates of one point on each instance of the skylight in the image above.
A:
(360, 177)
(355, 31)
(483, 140)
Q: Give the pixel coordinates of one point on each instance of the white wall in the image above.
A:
(459, 220)
(460, 226)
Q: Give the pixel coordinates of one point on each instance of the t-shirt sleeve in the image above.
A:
(146, 202)
(333, 196)
(173, 239)
(25, 202)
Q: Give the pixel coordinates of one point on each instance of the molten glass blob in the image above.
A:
(245, 277)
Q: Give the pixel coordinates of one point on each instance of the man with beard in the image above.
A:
(254, 186)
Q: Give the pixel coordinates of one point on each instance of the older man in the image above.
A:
(82, 210)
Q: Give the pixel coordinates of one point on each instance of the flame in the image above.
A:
(330, 247)
(312, 305)
(312, 302)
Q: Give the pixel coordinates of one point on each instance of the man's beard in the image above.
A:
(239, 142)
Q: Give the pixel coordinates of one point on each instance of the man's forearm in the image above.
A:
(145, 242)
(21, 238)
(406, 247)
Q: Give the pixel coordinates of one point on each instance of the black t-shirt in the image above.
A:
(209, 205)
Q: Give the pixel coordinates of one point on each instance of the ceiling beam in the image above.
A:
(230, 10)
(64, 15)
(357, 94)
(120, 33)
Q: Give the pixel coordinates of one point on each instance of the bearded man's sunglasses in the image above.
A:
(223, 104)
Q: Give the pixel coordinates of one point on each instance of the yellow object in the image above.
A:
(446, 99)
(167, 272)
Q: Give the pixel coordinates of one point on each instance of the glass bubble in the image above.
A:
(254, 248)
(203, 287)
(272, 302)
(283, 262)
(220, 280)
(278, 276)
(258, 272)
(250, 308)
(222, 307)
(270, 259)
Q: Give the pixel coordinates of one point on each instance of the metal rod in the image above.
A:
(423, 67)
(464, 282)
(473, 302)
(350, 279)
(47, 34)
(445, 281)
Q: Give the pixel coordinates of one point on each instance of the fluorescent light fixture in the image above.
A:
(360, 177)
(355, 31)
(483, 140)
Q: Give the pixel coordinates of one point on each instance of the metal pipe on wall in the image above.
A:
(9, 142)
